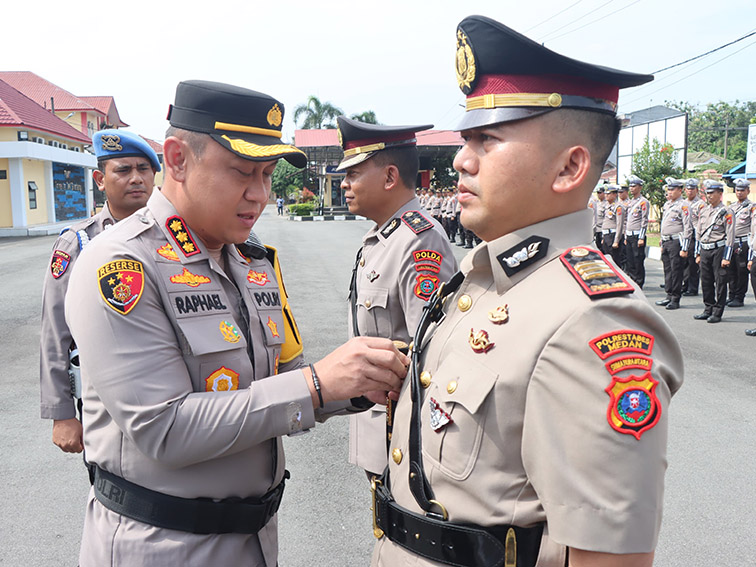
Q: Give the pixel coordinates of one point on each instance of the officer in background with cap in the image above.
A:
(403, 259)
(635, 231)
(713, 225)
(691, 277)
(126, 167)
(676, 232)
(736, 252)
(751, 263)
(535, 418)
(191, 362)
(612, 228)
(596, 204)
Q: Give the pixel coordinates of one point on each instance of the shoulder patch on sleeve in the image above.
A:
(59, 263)
(417, 222)
(596, 276)
(121, 284)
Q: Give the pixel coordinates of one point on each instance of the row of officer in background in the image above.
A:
(489, 459)
(444, 206)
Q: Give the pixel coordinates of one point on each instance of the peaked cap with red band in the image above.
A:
(361, 141)
(507, 76)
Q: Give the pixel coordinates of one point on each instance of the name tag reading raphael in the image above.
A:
(121, 284)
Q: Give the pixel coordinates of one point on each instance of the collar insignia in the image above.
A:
(59, 263)
(596, 276)
(390, 228)
(167, 252)
(190, 279)
(182, 236)
(222, 380)
(523, 255)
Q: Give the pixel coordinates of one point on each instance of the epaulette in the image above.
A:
(417, 222)
(596, 276)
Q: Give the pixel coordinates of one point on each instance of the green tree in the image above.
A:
(316, 114)
(444, 176)
(368, 117)
(720, 128)
(653, 163)
(285, 179)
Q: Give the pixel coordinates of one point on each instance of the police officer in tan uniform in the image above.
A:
(403, 258)
(126, 167)
(713, 225)
(596, 204)
(613, 224)
(191, 362)
(691, 277)
(676, 232)
(635, 231)
(751, 263)
(737, 248)
(534, 423)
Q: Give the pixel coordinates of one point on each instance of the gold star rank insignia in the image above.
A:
(181, 235)
(273, 327)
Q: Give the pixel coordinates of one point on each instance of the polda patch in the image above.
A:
(634, 407)
(182, 236)
(59, 263)
(618, 342)
(222, 380)
(121, 284)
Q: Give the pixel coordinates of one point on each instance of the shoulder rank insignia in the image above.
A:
(59, 263)
(417, 222)
(595, 275)
(167, 252)
(121, 284)
(524, 254)
(190, 279)
(389, 229)
(182, 236)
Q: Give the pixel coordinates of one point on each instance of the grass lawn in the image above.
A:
(652, 239)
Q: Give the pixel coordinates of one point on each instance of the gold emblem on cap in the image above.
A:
(425, 378)
(464, 302)
(396, 454)
(555, 100)
(111, 143)
(275, 116)
(465, 63)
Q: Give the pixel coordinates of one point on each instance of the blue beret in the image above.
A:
(109, 144)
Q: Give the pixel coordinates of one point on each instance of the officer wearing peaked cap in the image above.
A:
(126, 167)
(691, 277)
(192, 365)
(676, 232)
(636, 225)
(738, 248)
(613, 226)
(538, 368)
(403, 259)
(597, 205)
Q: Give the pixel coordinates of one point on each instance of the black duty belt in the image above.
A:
(432, 535)
(462, 545)
(194, 515)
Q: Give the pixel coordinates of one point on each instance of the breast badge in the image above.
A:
(190, 279)
(222, 380)
(273, 327)
(229, 332)
(59, 263)
(257, 278)
(167, 252)
(479, 341)
(438, 417)
(500, 315)
(121, 284)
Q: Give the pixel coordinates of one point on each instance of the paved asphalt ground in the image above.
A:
(324, 518)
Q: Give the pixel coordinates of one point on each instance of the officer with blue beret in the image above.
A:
(126, 167)
(533, 427)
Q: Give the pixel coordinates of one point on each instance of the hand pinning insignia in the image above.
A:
(479, 341)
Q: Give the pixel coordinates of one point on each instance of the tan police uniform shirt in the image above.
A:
(535, 436)
(695, 207)
(402, 263)
(713, 224)
(676, 221)
(741, 221)
(636, 223)
(614, 220)
(178, 357)
(55, 337)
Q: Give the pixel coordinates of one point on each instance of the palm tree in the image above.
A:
(368, 117)
(316, 114)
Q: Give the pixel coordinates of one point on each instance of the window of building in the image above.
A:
(32, 195)
(3, 174)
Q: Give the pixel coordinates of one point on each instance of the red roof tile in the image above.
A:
(106, 105)
(320, 138)
(157, 146)
(19, 110)
(41, 91)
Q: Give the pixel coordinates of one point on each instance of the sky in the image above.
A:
(393, 57)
